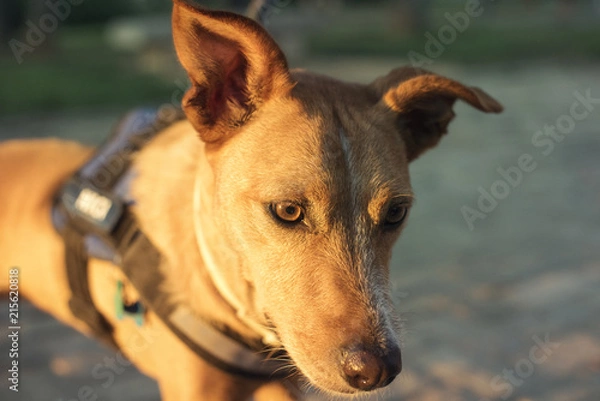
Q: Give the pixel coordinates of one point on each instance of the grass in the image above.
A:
(79, 71)
(479, 44)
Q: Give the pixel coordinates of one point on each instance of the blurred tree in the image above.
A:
(100, 11)
(239, 4)
(152, 6)
(411, 16)
(12, 16)
(363, 2)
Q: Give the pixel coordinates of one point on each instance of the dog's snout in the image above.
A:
(364, 370)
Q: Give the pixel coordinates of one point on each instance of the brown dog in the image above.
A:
(276, 226)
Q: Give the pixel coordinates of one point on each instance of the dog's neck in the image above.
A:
(217, 256)
(174, 208)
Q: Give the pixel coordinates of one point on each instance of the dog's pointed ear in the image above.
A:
(423, 102)
(233, 64)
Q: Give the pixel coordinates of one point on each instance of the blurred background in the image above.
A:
(498, 272)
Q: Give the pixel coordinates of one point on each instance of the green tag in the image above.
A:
(134, 311)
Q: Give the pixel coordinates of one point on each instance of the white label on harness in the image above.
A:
(93, 204)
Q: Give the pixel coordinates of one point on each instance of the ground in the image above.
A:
(479, 299)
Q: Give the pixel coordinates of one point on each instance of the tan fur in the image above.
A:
(339, 150)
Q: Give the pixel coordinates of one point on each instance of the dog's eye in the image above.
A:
(287, 212)
(395, 215)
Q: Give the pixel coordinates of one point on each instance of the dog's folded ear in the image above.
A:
(233, 64)
(423, 102)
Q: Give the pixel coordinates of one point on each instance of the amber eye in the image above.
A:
(395, 215)
(287, 212)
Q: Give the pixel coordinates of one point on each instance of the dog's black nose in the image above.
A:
(366, 371)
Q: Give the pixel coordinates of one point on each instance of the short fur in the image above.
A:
(318, 289)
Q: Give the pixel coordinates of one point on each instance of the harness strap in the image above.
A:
(141, 265)
(98, 176)
(87, 207)
(81, 303)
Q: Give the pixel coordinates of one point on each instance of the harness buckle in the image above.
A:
(89, 208)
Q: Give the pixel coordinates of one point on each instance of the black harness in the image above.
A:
(91, 212)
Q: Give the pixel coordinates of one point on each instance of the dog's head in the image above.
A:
(312, 187)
